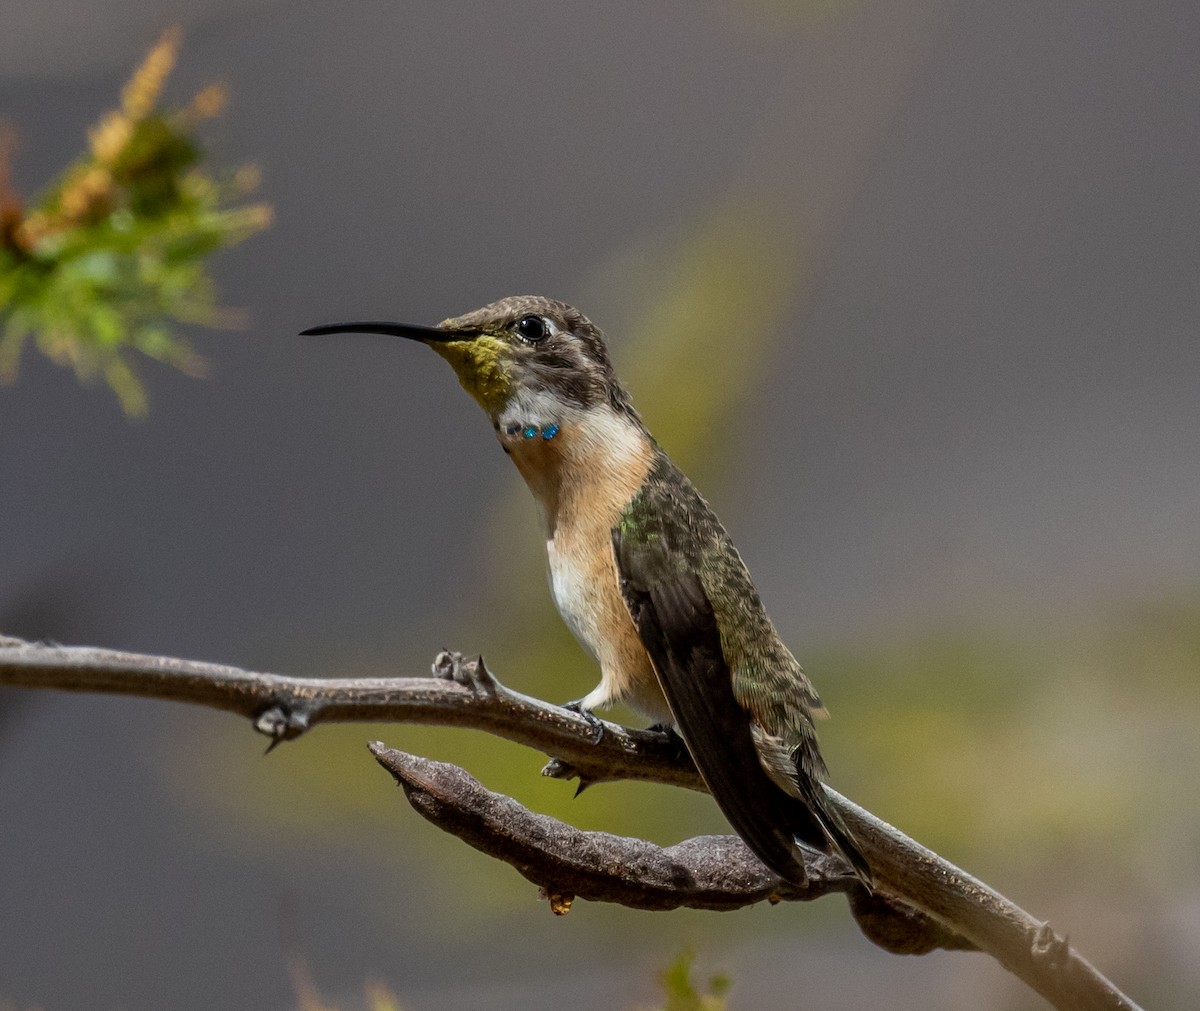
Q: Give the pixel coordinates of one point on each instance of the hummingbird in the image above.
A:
(644, 574)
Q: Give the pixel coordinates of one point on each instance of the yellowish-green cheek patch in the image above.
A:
(480, 368)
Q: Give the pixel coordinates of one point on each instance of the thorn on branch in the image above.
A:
(556, 768)
(453, 666)
(1048, 948)
(281, 723)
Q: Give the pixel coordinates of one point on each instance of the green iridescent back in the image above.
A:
(671, 529)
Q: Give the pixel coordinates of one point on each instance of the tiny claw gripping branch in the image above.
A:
(595, 724)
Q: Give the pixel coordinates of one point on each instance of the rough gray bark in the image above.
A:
(921, 901)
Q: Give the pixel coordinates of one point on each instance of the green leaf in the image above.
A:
(116, 252)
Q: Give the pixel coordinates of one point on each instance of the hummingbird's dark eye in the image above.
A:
(532, 329)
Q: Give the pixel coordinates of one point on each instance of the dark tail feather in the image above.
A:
(836, 832)
(678, 627)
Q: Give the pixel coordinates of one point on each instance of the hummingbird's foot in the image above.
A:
(594, 721)
(674, 741)
(473, 674)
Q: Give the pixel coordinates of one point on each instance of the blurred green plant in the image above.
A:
(114, 253)
(681, 993)
(377, 996)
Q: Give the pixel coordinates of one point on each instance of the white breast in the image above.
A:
(583, 582)
(583, 478)
(576, 597)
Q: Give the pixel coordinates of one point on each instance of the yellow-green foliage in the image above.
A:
(377, 996)
(1066, 743)
(114, 253)
(680, 993)
(705, 337)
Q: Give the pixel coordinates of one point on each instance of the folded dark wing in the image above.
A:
(676, 624)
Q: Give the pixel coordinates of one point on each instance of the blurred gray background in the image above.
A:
(940, 377)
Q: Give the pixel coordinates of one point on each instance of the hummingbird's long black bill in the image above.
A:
(410, 330)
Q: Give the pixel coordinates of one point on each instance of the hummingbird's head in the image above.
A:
(525, 348)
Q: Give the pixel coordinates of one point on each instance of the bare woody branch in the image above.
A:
(707, 872)
(283, 708)
(943, 905)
